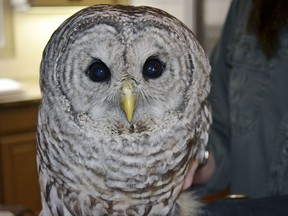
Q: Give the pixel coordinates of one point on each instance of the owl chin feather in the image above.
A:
(186, 205)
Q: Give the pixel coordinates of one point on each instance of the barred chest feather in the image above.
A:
(131, 174)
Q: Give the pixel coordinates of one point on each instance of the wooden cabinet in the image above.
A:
(18, 174)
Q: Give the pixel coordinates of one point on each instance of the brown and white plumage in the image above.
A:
(93, 159)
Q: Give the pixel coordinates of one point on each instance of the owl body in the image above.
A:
(95, 157)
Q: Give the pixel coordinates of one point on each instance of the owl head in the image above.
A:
(124, 106)
(125, 64)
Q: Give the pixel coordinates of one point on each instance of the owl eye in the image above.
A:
(98, 71)
(153, 68)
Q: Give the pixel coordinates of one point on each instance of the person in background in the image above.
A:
(249, 99)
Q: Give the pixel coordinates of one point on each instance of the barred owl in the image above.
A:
(123, 112)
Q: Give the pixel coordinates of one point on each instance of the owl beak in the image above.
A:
(128, 100)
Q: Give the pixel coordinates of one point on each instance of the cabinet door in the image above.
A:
(19, 173)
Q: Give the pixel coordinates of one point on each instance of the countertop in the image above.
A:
(29, 94)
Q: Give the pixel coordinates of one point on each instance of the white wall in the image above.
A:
(216, 11)
(33, 28)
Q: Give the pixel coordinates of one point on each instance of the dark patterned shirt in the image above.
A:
(249, 136)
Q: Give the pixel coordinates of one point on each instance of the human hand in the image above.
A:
(204, 173)
(198, 174)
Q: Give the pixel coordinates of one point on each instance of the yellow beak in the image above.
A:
(128, 100)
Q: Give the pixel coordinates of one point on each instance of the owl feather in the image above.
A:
(124, 111)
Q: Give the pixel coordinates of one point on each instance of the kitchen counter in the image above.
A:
(29, 95)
